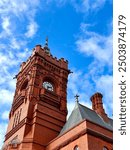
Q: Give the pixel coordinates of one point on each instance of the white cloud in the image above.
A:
(6, 27)
(12, 83)
(5, 59)
(6, 24)
(17, 44)
(70, 107)
(6, 96)
(100, 47)
(2, 58)
(82, 6)
(3, 128)
(98, 76)
(31, 29)
(58, 3)
(79, 83)
(97, 3)
(86, 83)
(18, 8)
(104, 84)
(9, 60)
(14, 13)
(73, 82)
(14, 44)
(85, 26)
(87, 5)
(5, 115)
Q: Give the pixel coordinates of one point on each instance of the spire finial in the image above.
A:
(46, 46)
(46, 43)
(76, 98)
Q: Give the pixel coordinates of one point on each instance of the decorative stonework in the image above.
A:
(30, 93)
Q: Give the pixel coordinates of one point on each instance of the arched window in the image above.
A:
(76, 148)
(24, 85)
(105, 148)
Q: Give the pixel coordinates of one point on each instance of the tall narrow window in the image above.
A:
(19, 115)
(14, 121)
(17, 118)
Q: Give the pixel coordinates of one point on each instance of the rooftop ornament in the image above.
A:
(76, 98)
(47, 49)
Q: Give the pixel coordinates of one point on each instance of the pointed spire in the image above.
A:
(46, 46)
(76, 98)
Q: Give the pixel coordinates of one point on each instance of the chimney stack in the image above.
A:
(97, 106)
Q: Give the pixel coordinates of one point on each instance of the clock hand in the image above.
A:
(49, 87)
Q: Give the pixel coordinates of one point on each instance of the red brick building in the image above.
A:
(37, 119)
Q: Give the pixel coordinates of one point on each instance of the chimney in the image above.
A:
(97, 106)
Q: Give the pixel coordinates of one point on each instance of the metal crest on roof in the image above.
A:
(47, 49)
(76, 98)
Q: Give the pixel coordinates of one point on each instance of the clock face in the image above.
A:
(47, 85)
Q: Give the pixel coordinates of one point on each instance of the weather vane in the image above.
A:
(47, 50)
(77, 98)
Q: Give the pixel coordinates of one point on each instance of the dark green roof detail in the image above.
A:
(81, 113)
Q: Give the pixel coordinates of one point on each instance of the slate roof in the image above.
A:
(81, 113)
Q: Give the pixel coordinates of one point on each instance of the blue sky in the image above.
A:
(78, 30)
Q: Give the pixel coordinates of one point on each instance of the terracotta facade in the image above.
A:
(39, 109)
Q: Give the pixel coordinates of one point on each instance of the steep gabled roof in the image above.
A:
(81, 113)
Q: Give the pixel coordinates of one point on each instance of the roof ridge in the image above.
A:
(74, 118)
(80, 110)
(86, 107)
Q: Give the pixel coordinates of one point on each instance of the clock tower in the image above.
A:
(39, 107)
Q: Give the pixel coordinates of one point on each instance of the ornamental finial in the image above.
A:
(76, 98)
(47, 50)
(46, 43)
